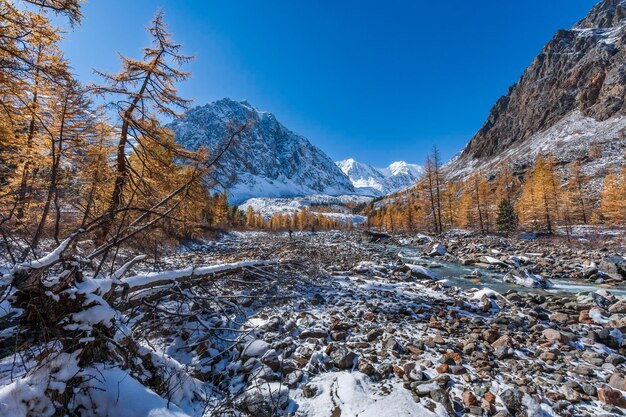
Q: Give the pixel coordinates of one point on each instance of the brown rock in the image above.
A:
(548, 356)
(617, 381)
(612, 397)
(369, 316)
(443, 368)
(397, 370)
(583, 317)
(552, 334)
(504, 341)
(365, 367)
(559, 317)
(414, 350)
(469, 399)
(491, 335)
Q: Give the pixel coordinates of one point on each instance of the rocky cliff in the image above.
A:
(572, 94)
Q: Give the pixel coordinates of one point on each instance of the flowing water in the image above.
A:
(461, 276)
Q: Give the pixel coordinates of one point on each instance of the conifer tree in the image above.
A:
(507, 219)
(576, 192)
(143, 90)
(613, 196)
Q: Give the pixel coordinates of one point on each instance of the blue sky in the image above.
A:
(377, 81)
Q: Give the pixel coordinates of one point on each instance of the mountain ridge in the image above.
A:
(368, 179)
(576, 81)
(267, 160)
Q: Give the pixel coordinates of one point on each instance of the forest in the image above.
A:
(546, 197)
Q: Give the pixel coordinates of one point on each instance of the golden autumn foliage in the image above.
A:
(613, 202)
(543, 200)
(67, 164)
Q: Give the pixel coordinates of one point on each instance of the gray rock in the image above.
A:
(614, 266)
(512, 400)
(342, 357)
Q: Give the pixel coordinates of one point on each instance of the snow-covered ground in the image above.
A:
(326, 325)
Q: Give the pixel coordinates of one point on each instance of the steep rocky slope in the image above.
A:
(572, 95)
(268, 160)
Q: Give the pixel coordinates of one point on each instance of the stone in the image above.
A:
(503, 341)
(559, 317)
(254, 349)
(338, 336)
(611, 397)
(292, 379)
(469, 399)
(618, 308)
(365, 367)
(503, 352)
(548, 356)
(614, 266)
(552, 334)
(374, 334)
(422, 389)
(617, 381)
(490, 335)
(313, 334)
(437, 250)
(584, 317)
(369, 316)
(615, 359)
(309, 391)
(342, 357)
(570, 393)
(392, 344)
(513, 401)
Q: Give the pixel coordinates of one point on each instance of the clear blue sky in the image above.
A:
(377, 81)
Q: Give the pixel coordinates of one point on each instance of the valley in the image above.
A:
(160, 258)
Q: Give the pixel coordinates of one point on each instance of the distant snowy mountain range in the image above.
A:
(368, 180)
(268, 160)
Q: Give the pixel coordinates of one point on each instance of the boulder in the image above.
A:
(614, 266)
(437, 250)
(342, 357)
(611, 396)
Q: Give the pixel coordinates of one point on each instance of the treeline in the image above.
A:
(303, 219)
(94, 158)
(540, 201)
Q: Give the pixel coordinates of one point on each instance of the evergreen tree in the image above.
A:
(507, 219)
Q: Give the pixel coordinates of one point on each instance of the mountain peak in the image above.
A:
(267, 160)
(373, 181)
(606, 14)
(574, 88)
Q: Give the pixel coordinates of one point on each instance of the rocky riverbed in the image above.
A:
(359, 330)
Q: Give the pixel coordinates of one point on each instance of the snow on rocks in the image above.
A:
(422, 272)
(339, 326)
(525, 278)
(437, 250)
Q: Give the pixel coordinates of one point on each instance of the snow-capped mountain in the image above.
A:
(369, 180)
(570, 98)
(267, 160)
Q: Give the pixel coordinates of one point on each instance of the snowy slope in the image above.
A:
(369, 180)
(268, 160)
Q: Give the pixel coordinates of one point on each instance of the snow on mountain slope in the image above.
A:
(369, 180)
(267, 160)
(571, 97)
(362, 175)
